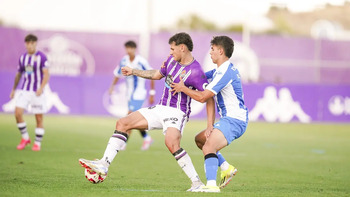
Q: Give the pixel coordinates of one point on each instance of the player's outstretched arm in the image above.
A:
(200, 96)
(147, 74)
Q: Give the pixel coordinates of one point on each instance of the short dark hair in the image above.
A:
(182, 38)
(225, 42)
(30, 37)
(130, 44)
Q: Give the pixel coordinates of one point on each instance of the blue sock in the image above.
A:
(211, 166)
(220, 158)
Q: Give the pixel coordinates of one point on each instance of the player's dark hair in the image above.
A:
(30, 37)
(182, 38)
(225, 42)
(130, 44)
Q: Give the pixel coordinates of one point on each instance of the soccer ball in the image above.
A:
(93, 177)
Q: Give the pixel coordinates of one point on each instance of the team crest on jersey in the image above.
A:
(183, 74)
(29, 69)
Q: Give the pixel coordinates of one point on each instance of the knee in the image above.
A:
(199, 141)
(207, 148)
(122, 125)
(18, 115)
(171, 145)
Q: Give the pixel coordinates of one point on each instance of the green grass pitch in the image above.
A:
(272, 160)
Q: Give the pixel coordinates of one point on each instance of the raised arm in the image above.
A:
(147, 74)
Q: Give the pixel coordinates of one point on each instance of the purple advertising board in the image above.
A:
(285, 79)
(266, 102)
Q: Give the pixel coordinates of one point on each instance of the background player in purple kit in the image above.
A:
(172, 112)
(34, 65)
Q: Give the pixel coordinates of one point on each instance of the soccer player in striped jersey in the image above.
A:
(136, 89)
(34, 65)
(225, 84)
(171, 113)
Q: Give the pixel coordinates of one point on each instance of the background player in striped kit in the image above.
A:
(34, 65)
(225, 84)
(172, 112)
(136, 89)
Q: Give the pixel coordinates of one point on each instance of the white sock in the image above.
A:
(211, 183)
(185, 162)
(23, 129)
(115, 143)
(39, 133)
(224, 166)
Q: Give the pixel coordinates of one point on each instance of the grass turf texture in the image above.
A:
(272, 160)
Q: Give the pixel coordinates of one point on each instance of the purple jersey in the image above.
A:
(32, 66)
(193, 77)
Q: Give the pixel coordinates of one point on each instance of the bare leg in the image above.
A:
(22, 126)
(19, 114)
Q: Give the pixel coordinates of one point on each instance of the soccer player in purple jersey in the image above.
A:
(34, 65)
(171, 113)
(225, 85)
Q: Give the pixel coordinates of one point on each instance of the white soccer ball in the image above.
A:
(93, 177)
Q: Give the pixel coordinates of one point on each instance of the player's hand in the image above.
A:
(208, 131)
(12, 94)
(177, 87)
(126, 71)
(151, 99)
(39, 92)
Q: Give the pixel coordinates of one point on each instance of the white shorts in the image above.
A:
(163, 117)
(29, 101)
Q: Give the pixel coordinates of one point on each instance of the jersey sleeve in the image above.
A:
(219, 82)
(20, 68)
(164, 68)
(117, 71)
(198, 79)
(145, 65)
(44, 62)
(210, 74)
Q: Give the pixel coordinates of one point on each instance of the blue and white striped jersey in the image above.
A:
(136, 88)
(225, 83)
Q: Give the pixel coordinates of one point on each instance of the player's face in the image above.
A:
(31, 47)
(130, 51)
(214, 53)
(175, 51)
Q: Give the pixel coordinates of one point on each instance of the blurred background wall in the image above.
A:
(294, 61)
